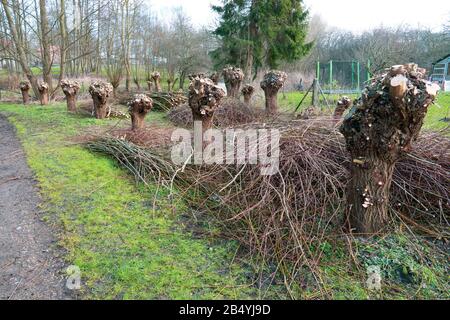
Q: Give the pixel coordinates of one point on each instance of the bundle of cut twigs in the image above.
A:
(285, 217)
(230, 112)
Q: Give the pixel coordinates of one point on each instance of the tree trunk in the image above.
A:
(378, 131)
(25, 96)
(206, 120)
(101, 110)
(100, 91)
(204, 99)
(71, 103)
(64, 39)
(43, 95)
(21, 53)
(137, 121)
(233, 78)
(368, 194)
(46, 46)
(156, 77)
(271, 101)
(139, 107)
(247, 92)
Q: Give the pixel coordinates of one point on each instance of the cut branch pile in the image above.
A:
(230, 112)
(162, 101)
(284, 217)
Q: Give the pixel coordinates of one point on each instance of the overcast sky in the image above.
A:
(354, 15)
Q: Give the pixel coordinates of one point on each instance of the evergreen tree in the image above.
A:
(261, 33)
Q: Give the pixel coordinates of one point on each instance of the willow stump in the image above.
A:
(100, 92)
(138, 109)
(233, 78)
(43, 93)
(25, 87)
(204, 99)
(156, 77)
(150, 86)
(380, 129)
(70, 89)
(272, 83)
(247, 92)
(343, 105)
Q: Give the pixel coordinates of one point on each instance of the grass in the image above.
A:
(128, 241)
(134, 242)
(439, 111)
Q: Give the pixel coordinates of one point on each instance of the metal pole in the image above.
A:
(318, 71)
(358, 70)
(331, 74)
(353, 75)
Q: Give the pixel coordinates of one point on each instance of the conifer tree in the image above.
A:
(260, 33)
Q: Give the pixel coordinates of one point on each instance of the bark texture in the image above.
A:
(204, 99)
(25, 87)
(247, 92)
(138, 109)
(272, 83)
(156, 77)
(233, 78)
(379, 130)
(70, 89)
(215, 77)
(43, 93)
(100, 92)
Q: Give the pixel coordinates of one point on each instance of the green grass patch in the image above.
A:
(135, 242)
(434, 120)
(128, 241)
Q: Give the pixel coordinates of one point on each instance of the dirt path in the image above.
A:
(29, 268)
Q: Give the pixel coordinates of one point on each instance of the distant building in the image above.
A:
(441, 73)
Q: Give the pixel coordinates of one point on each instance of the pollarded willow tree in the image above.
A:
(138, 109)
(100, 92)
(272, 83)
(70, 89)
(25, 87)
(204, 99)
(43, 93)
(156, 77)
(343, 105)
(260, 33)
(233, 78)
(379, 130)
(247, 92)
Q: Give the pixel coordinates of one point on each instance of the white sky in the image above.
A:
(354, 15)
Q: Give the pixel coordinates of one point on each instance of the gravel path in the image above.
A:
(29, 265)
